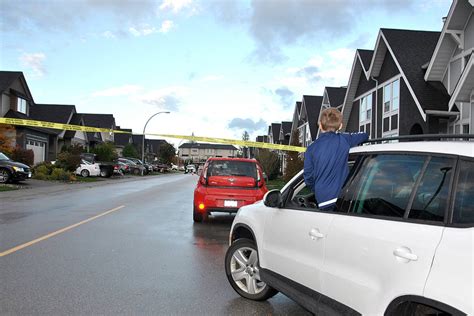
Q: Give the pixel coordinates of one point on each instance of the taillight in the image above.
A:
(259, 181)
(201, 206)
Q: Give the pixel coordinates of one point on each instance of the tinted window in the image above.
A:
(431, 198)
(464, 203)
(232, 168)
(385, 184)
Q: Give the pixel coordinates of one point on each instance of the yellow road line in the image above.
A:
(37, 240)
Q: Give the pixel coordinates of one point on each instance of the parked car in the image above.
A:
(106, 167)
(174, 167)
(121, 168)
(226, 184)
(87, 169)
(160, 167)
(147, 168)
(190, 169)
(132, 167)
(398, 243)
(11, 171)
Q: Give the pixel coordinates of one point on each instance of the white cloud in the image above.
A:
(166, 26)
(108, 34)
(118, 91)
(176, 5)
(169, 98)
(35, 62)
(143, 30)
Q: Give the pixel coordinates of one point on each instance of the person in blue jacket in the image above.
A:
(325, 160)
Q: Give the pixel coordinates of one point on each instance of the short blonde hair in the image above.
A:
(331, 120)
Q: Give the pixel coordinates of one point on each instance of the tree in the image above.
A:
(294, 161)
(270, 162)
(245, 137)
(6, 138)
(130, 151)
(69, 157)
(167, 153)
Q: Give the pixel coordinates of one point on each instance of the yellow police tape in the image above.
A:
(70, 127)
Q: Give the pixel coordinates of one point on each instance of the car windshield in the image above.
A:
(3, 157)
(232, 168)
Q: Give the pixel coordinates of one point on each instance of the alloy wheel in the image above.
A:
(245, 271)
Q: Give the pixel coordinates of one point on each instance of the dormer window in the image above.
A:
(22, 106)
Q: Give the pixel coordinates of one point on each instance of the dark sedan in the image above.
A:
(12, 171)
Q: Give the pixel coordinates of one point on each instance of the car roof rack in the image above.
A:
(422, 137)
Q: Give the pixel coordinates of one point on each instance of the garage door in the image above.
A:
(38, 148)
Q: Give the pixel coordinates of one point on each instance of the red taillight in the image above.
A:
(201, 206)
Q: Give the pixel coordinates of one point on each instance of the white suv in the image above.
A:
(400, 242)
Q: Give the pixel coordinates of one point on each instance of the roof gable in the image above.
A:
(449, 39)
(98, 120)
(335, 95)
(8, 78)
(312, 106)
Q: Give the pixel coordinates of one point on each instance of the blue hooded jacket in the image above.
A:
(325, 164)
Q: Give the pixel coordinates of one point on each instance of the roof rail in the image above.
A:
(422, 137)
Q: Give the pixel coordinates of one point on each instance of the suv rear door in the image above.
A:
(387, 226)
(451, 279)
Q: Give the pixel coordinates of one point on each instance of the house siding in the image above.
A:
(408, 112)
(353, 123)
(5, 105)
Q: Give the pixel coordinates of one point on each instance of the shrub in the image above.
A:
(270, 162)
(60, 174)
(130, 151)
(105, 152)
(68, 160)
(25, 156)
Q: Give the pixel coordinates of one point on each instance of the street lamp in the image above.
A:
(143, 140)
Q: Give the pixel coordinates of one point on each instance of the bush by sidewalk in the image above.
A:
(48, 171)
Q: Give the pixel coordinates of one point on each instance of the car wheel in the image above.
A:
(136, 171)
(199, 217)
(85, 173)
(243, 271)
(4, 176)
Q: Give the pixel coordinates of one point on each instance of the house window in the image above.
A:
(391, 104)
(21, 105)
(365, 117)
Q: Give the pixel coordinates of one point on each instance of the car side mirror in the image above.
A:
(273, 199)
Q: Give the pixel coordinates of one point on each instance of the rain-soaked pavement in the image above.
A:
(145, 256)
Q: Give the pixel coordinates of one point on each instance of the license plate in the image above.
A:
(29, 175)
(229, 203)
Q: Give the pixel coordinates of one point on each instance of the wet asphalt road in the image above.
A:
(145, 258)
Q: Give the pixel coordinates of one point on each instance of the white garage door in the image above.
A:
(39, 149)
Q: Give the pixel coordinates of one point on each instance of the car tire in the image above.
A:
(4, 175)
(136, 171)
(243, 271)
(84, 173)
(199, 217)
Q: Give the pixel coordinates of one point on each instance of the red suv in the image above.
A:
(226, 184)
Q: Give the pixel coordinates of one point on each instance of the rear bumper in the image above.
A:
(225, 201)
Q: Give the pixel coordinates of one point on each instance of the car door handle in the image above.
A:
(405, 253)
(314, 233)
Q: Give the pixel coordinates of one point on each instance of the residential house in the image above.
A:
(102, 121)
(122, 139)
(284, 139)
(452, 65)
(152, 148)
(200, 152)
(254, 151)
(333, 97)
(296, 120)
(56, 113)
(274, 133)
(307, 121)
(388, 96)
(16, 102)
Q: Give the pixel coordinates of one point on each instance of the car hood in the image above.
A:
(13, 163)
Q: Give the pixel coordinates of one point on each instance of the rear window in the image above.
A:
(232, 168)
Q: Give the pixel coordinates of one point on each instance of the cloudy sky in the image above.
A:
(220, 66)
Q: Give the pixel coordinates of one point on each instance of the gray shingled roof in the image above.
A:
(7, 78)
(336, 95)
(97, 120)
(412, 49)
(366, 57)
(276, 132)
(208, 146)
(313, 107)
(56, 113)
